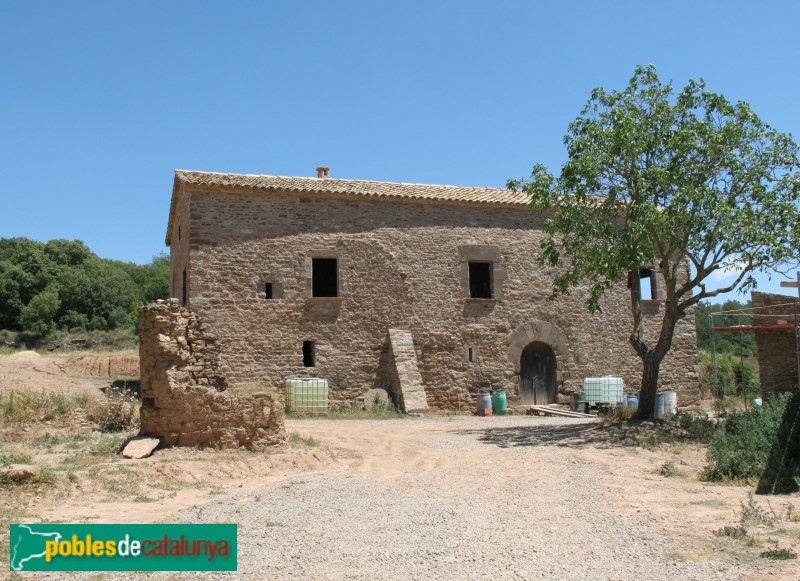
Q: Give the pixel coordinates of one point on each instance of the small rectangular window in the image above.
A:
(183, 288)
(268, 290)
(308, 354)
(471, 354)
(324, 277)
(480, 280)
(647, 284)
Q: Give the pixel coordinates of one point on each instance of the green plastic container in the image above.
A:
(499, 403)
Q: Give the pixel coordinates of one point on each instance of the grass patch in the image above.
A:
(295, 439)
(378, 410)
(29, 407)
(711, 503)
(15, 458)
(779, 554)
(46, 476)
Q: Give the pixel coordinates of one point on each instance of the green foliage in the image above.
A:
(38, 316)
(740, 449)
(734, 377)
(92, 294)
(663, 180)
(668, 470)
(740, 343)
(699, 427)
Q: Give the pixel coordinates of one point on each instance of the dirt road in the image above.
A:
(480, 498)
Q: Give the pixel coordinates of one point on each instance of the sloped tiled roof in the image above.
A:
(361, 188)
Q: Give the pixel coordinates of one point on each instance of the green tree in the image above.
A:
(740, 343)
(37, 317)
(685, 183)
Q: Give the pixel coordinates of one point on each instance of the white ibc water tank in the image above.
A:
(307, 395)
(603, 389)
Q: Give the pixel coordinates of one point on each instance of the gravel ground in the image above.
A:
(472, 498)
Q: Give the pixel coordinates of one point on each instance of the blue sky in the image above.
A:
(102, 101)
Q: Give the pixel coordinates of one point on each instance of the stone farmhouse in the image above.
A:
(433, 292)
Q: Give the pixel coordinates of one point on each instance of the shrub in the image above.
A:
(699, 427)
(116, 412)
(741, 448)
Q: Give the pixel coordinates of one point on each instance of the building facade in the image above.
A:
(306, 277)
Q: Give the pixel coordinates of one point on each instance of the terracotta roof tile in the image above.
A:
(354, 187)
(369, 189)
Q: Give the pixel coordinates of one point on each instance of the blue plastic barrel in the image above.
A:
(484, 403)
(633, 402)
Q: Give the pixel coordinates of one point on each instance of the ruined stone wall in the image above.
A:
(184, 397)
(402, 266)
(777, 357)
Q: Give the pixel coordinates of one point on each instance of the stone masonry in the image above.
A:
(405, 380)
(403, 254)
(777, 355)
(184, 397)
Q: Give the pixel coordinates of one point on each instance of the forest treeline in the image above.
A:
(63, 285)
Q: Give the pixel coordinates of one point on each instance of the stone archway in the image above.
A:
(551, 338)
(537, 376)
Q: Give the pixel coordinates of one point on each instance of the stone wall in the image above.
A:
(401, 266)
(777, 356)
(184, 397)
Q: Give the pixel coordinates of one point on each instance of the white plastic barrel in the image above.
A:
(666, 404)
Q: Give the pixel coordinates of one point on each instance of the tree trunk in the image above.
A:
(647, 398)
(652, 358)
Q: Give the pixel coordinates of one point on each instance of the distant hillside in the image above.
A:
(63, 285)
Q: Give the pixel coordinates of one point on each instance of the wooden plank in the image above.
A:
(559, 412)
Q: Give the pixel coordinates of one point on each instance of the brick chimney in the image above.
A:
(323, 172)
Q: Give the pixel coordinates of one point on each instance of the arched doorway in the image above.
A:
(537, 376)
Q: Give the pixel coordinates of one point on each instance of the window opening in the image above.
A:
(308, 354)
(268, 291)
(647, 284)
(471, 354)
(183, 288)
(647, 288)
(324, 277)
(480, 280)
(179, 232)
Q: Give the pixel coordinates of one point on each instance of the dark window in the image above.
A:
(647, 284)
(308, 354)
(268, 290)
(324, 280)
(183, 288)
(179, 232)
(480, 280)
(471, 354)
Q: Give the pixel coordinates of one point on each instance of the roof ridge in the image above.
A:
(272, 176)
